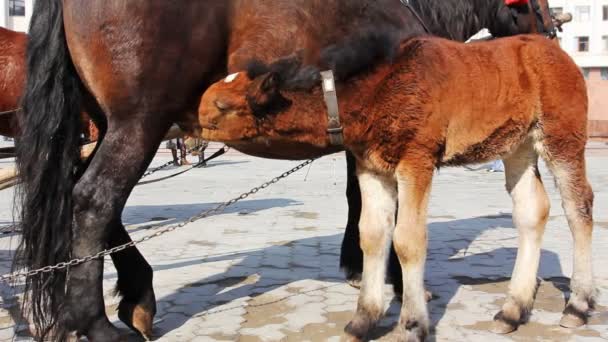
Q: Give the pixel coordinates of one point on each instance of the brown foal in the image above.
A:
(436, 103)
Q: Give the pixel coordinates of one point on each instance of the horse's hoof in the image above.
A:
(573, 318)
(571, 321)
(360, 326)
(412, 331)
(137, 318)
(503, 326)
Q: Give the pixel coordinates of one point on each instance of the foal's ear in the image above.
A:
(263, 89)
(270, 82)
(263, 95)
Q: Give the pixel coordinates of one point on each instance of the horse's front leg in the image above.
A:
(377, 222)
(99, 197)
(351, 255)
(410, 241)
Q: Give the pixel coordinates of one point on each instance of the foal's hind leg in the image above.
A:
(577, 202)
(530, 213)
(377, 222)
(410, 240)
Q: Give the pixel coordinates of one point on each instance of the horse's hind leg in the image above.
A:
(138, 304)
(577, 202)
(530, 212)
(379, 197)
(134, 284)
(99, 198)
(410, 240)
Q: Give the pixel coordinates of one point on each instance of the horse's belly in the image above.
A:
(483, 139)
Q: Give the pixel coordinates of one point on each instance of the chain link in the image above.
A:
(14, 229)
(218, 209)
(167, 164)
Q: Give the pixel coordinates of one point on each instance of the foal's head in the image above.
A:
(235, 107)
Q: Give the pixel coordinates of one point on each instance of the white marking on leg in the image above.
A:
(530, 213)
(378, 199)
(410, 240)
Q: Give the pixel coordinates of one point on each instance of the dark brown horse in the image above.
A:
(437, 103)
(138, 67)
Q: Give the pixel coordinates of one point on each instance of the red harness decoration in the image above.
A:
(516, 2)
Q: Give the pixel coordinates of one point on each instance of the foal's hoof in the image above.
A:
(504, 325)
(359, 327)
(137, 318)
(412, 331)
(573, 318)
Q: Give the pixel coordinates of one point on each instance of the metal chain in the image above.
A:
(167, 164)
(218, 209)
(15, 229)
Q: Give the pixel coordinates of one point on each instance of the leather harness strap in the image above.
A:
(415, 13)
(334, 128)
(548, 30)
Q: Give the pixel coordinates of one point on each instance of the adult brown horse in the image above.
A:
(433, 105)
(137, 67)
(12, 78)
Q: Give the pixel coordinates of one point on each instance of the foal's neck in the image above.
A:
(306, 119)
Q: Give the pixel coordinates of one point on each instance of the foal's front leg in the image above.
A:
(410, 241)
(376, 224)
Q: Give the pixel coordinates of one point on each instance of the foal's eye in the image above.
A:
(221, 105)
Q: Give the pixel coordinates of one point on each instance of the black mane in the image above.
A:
(354, 55)
(460, 19)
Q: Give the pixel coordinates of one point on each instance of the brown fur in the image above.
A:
(12, 77)
(441, 103)
(502, 91)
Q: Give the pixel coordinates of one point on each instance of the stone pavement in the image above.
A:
(267, 268)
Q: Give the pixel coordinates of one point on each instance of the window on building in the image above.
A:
(585, 72)
(582, 43)
(556, 10)
(604, 73)
(605, 12)
(605, 43)
(582, 13)
(16, 8)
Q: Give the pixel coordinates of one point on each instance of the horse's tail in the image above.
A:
(48, 162)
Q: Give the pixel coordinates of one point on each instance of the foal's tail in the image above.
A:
(48, 161)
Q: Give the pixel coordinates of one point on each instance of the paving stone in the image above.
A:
(268, 268)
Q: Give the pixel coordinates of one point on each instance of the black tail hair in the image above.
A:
(48, 159)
